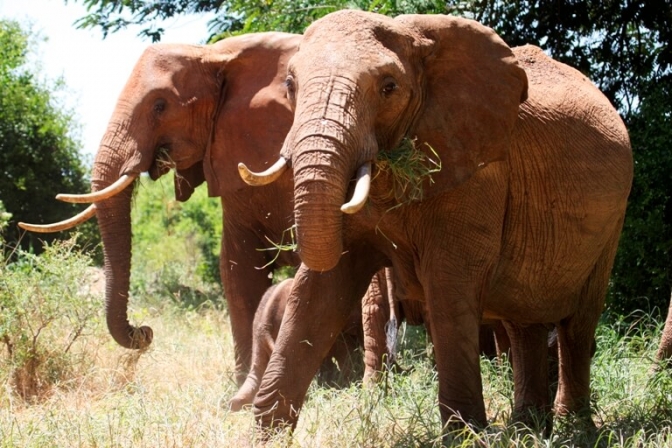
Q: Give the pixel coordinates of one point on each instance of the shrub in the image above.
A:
(176, 245)
(45, 308)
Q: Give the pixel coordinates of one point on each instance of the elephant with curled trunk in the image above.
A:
(200, 110)
(520, 224)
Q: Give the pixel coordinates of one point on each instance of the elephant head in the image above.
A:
(362, 82)
(185, 107)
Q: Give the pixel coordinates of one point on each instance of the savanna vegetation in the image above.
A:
(64, 382)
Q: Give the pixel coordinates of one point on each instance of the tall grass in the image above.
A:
(175, 395)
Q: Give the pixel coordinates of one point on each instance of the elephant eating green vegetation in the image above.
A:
(519, 221)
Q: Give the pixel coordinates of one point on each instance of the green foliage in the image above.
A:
(46, 308)
(175, 245)
(5, 216)
(620, 45)
(642, 276)
(39, 156)
(236, 16)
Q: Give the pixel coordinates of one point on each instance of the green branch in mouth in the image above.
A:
(409, 167)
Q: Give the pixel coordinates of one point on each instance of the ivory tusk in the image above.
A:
(361, 192)
(121, 183)
(263, 178)
(63, 225)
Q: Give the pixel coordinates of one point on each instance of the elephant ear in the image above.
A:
(253, 115)
(473, 89)
(187, 180)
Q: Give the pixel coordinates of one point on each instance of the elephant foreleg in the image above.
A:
(665, 347)
(529, 354)
(318, 308)
(376, 316)
(244, 285)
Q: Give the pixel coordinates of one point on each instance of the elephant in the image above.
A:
(664, 352)
(199, 109)
(368, 324)
(520, 223)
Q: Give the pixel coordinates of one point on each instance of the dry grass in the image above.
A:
(175, 395)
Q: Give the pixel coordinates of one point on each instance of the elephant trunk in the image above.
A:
(326, 146)
(319, 191)
(118, 155)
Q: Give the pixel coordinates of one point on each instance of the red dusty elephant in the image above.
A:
(200, 110)
(520, 224)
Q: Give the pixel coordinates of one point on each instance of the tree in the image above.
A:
(38, 155)
(235, 16)
(643, 271)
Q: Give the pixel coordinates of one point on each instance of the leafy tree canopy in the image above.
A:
(38, 155)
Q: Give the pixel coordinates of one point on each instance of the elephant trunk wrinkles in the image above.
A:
(319, 192)
(326, 146)
(118, 155)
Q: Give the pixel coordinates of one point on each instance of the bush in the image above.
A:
(642, 275)
(176, 245)
(45, 309)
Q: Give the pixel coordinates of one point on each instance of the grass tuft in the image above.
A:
(409, 168)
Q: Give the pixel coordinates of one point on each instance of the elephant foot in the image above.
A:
(275, 415)
(245, 395)
(239, 401)
(538, 420)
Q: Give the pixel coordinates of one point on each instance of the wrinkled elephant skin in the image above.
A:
(520, 224)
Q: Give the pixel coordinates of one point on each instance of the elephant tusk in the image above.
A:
(361, 190)
(121, 183)
(263, 178)
(63, 225)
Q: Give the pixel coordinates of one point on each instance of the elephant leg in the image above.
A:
(576, 339)
(454, 330)
(375, 318)
(244, 285)
(308, 331)
(245, 395)
(529, 354)
(665, 347)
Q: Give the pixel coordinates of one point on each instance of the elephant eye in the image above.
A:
(389, 86)
(159, 106)
(291, 87)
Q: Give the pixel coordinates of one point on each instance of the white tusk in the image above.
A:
(263, 178)
(107, 192)
(63, 225)
(361, 190)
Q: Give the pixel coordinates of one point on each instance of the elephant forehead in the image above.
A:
(347, 57)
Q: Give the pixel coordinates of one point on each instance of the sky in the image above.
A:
(94, 69)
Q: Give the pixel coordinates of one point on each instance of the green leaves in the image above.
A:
(46, 307)
(38, 155)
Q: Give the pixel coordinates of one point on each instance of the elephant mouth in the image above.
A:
(162, 163)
